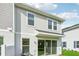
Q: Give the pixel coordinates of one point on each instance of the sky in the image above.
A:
(67, 11)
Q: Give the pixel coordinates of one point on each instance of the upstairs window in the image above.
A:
(55, 26)
(30, 19)
(49, 24)
(64, 44)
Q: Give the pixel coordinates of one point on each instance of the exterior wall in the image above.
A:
(70, 37)
(33, 43)
(33, 46)
(24, 31)
(40, 22)
(6, 15)
(8, 43)
(13, 41)
(6, 22)
(27, 31)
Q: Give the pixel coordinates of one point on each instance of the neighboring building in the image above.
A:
(71, 38)
(32, 32)
(6, 24)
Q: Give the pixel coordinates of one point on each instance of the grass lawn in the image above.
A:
(70, 53)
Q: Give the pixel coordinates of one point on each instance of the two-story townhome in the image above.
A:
(70, 40)
(33, 32)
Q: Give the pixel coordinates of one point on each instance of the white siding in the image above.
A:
(6, 15)
(40, 22)
(13, 41)
(70, 37)
(8, 42)
(28, 31)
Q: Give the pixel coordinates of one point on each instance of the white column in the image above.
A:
(3, 50)
(59, 47)
(51, 47)
(44, 47)
(37, 48)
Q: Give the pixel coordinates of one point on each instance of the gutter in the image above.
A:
(34, 10)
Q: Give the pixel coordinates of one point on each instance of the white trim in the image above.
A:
(13, 26)
(46, 39)
(3, 30)
(25, 33)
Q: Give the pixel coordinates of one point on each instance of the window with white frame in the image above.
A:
(25, 46)
(55, 25)
(49, 24)
(76, 44)
(64, 44)
(30, 19)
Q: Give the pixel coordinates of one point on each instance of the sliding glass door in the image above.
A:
(40, 47)
(48, 47)
(54, 47)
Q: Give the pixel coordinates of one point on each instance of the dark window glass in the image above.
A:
(30, 19)
(77, 44)
(64, 44)
(25, 41)
(40, 47)
(55, 26)
(26, 49)
(25, 46)
(54, 46)
(49, 24)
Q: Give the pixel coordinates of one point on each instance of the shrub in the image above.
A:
(70, 53)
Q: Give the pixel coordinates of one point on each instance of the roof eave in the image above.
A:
(70, 28)
(29, 8)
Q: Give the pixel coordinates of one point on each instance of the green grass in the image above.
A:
(69, 53)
